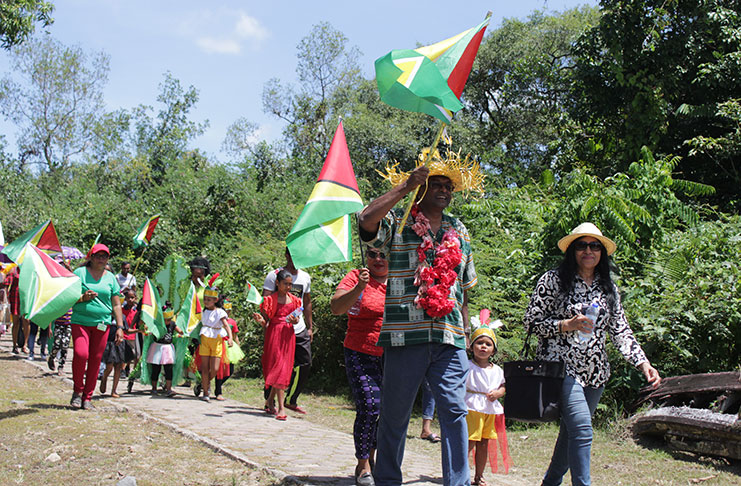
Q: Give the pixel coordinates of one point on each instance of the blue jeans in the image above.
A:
(445, 367)
(574, 445)
(428, 402)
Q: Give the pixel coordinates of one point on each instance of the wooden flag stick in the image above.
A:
(424, 162)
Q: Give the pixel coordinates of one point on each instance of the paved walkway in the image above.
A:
(295, 450)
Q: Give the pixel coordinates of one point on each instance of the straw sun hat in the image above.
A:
(587, 229)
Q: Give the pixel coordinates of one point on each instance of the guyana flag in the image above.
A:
(151, 310)
(430, 79)
(145, 232)
(190, 314)
(253, 294)
(47, 290)
(43, 237)
(322, 232)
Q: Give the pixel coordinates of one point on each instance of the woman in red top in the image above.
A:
(361, 294)
(277, 316)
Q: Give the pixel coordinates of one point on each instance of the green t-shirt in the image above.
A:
(100, 309)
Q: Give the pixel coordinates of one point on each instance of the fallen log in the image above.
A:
(692, 429)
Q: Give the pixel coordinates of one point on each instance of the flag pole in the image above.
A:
(139, 260)
(433, 147)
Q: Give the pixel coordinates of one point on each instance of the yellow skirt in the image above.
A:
(480, 426)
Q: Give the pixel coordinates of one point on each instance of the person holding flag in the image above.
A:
(91, 316)
(430, 273)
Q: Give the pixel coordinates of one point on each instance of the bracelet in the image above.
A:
(560, 326)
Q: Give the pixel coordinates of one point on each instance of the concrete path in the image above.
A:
(295, 450)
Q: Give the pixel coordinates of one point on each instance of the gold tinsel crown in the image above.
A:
(464, 173)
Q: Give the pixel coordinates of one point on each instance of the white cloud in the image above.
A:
(249, 28)
(224, 31)
(218, 46)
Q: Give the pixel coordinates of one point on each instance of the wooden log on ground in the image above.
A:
(694, 430)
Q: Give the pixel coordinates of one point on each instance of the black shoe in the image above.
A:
(76, 401)
(50, 362)
(130, 386)
(197, 389)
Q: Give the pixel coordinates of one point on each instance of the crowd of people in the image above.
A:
(408, 329)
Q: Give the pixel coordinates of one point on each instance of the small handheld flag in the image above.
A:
(190, 313)
(44, 237)
(46, 289)
(144, 233)
(151, 311)
(322, 232)
(253, 295)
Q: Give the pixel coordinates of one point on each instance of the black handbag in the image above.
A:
(533, 388)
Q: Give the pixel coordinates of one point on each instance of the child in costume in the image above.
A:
(214, 328)
(230, 356)
(62, 332)
(484, 386)
(278, 313)
(161, 353)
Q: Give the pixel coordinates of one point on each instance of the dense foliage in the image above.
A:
(575, 116)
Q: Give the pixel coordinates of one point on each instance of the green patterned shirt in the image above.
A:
(403, 323)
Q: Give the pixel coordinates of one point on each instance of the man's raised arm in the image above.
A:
(372, 215)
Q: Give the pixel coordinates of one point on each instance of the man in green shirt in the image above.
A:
(425, 316)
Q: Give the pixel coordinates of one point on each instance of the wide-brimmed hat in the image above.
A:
(587, 229)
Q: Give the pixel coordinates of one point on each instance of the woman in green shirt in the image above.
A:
(91, 316)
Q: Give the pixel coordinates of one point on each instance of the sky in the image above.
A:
(228, 50)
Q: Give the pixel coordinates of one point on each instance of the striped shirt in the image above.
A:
(403, 323)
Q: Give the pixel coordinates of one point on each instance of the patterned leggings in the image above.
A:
(61, 343)
(364, 373)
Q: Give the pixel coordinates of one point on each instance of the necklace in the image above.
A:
(434, 297)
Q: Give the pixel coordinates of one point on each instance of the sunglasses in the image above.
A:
(593, 245)
(376, 254)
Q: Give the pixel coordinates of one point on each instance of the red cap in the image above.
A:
(98, 247)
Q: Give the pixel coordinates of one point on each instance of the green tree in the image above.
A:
(517, 94)
(162, 140)
(54, 95)
(18, 19)
(328, 73)
(636, 69)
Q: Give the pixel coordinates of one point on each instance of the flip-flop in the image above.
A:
(280, 417)
(433, 437)
(269, 411)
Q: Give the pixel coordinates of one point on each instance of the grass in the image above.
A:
(98, 447)
(616, 458)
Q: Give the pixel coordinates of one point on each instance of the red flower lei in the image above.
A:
(435, 298)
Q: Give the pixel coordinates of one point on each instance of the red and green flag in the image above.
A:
(254, 296)
(190, 313)
(151, 310)
(44, 237)
(430, 79)
(322, 232)
(46, 289)
(144, 233)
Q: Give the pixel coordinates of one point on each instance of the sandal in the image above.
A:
(281, 417)
(270, 410)
(433, 437)
(480, 481)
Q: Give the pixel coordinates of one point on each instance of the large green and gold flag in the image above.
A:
(144, 233)
(189, 317)
(151, 310)
(322, 232)
(46, 289)
(44, 237)
(430, 79)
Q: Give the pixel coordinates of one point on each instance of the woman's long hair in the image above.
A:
(567, 272)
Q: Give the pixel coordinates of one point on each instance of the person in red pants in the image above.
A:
(91, 316)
